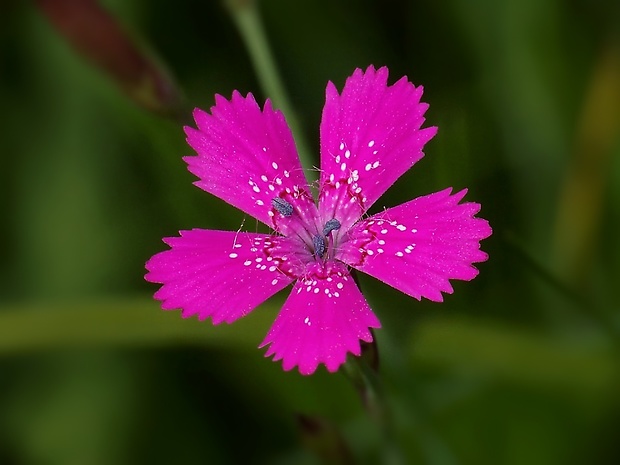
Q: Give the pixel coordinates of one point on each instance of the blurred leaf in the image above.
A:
(583, 194)
(583, 367)
(83, 416)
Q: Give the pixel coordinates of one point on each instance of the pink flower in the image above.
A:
(370, 135)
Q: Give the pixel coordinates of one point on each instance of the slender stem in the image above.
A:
(367, 383)
(246, 16)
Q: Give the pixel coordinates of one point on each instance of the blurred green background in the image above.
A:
(519, 366)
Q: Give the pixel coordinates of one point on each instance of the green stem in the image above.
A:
(367, 383)
(246, 16)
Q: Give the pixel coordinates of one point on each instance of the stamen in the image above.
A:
(285, 208)
(331, 225)
(319, 245)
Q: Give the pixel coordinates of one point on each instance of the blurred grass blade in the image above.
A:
(582, 196)
(121, 323)
(95, 34)
(582, 366)
(246, 16)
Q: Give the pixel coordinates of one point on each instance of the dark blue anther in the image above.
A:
(285, 208)
(319, 245)
(331, 225)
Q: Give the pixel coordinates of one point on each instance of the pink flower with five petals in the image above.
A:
(370, 135)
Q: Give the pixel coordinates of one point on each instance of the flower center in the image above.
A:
(321, 241)
(318, 241)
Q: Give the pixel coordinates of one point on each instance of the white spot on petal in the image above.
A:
(233, 255)
(274, 165)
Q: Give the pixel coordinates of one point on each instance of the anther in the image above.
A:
(319, 245)
(331, 225)
(285, 208)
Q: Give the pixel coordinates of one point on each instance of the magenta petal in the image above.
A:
(247, 157)
(323, 319)
(420, 245)
(208, 273)
(370, 135)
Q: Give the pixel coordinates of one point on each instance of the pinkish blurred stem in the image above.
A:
(96, 35)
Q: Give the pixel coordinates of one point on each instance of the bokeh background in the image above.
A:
(519, 366)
